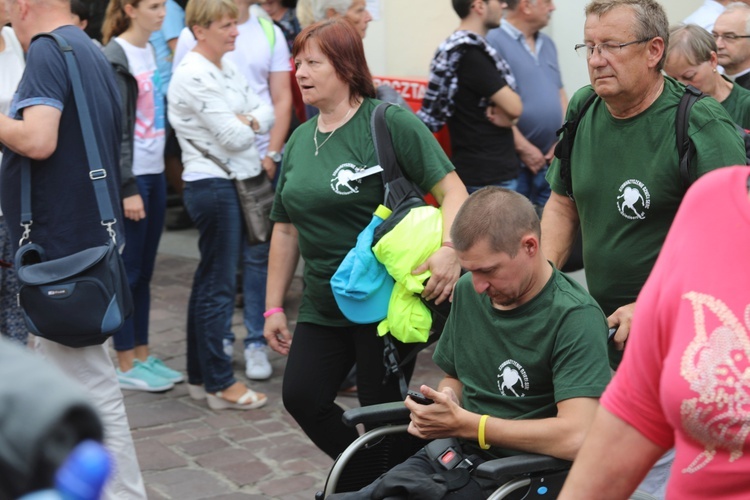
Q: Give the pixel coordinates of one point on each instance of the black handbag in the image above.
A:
(256, 199)
(81, 299)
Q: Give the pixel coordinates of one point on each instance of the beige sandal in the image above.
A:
(247, 401)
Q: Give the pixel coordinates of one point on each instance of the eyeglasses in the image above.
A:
(728, 37)
(604, 49)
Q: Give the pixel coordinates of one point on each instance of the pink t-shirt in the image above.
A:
(685, 377)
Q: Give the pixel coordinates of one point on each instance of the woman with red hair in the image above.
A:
(318, 216)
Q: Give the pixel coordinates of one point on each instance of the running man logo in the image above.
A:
(634, 200)
(512, 379)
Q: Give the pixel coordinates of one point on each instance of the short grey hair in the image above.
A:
(650, 19)
(739, 7)
(320, 8)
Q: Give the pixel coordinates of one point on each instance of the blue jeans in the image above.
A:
(509, 184)
(534, 186)
(141, 243)
(213, 205)
(254, 274)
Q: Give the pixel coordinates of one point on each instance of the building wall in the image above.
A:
(404, 38)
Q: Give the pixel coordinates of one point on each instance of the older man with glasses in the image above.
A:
(623, 187)
(732, 34)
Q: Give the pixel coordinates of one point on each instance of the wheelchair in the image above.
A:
(521, 477)
(378, 450)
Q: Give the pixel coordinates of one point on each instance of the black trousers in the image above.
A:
(319, 360)
(421, 477)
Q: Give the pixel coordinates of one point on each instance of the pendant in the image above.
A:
(316, 152)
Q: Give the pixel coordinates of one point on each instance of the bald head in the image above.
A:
(31, 17)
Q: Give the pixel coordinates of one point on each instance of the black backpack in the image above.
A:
(567, 134)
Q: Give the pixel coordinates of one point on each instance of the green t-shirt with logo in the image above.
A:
(329, 209)
(627, 186)
(519, 364)
(737, 105)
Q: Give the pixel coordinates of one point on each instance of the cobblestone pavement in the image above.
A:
(187, 451)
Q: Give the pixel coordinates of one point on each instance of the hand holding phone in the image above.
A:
(420, 398)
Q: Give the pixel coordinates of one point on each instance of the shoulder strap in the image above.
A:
(97, 173)
(564, 148)
(381, 138)
(685, 146)
(268, 31)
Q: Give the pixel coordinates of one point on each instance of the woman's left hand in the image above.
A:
(445, 269)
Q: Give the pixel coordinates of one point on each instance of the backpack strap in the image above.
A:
(381, 138)
(685, 146)
(268, 31)
(564, 147)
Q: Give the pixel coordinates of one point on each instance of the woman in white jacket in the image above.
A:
(216, 117)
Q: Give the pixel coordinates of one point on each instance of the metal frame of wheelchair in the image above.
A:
(523, 476)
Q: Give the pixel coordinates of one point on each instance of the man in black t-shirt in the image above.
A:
(44, 133)
(471, 89)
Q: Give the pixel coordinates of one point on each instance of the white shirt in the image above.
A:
(11, 70)
(203, 103)
(149, 137)
(254, 58)
(706, 15)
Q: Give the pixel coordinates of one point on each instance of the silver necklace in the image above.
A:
(315, 135)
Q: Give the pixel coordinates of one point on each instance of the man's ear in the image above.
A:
(656, 50)
(530, 244)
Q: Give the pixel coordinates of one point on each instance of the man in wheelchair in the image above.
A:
(524, 355)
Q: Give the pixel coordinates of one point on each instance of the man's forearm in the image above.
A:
(560, 436)
(559, 227)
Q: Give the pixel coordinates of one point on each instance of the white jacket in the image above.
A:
(203, 103)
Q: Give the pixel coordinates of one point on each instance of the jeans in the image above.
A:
(509, 184)
(319, 360)
(214, 207)
(534, 186)
(141, 243)
(254, 274)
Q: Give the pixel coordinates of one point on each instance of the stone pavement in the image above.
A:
(188, 451)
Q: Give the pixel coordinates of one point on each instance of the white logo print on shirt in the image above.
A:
(512, 379)
(634, 199)
(343, 178)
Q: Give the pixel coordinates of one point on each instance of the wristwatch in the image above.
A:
(274, 155)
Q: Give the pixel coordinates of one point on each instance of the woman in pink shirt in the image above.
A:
(685, 378)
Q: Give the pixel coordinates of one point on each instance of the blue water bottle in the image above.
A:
(84, 473)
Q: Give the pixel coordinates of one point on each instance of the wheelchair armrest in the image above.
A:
(520, 464)
(384, 413)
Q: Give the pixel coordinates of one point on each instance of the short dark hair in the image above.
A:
(80, 9)
(340, 42)
(463, 7)
(498, 215)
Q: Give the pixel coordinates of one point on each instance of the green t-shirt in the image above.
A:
(328, 209)
(519, 364)
(627, 186)
(737, 105)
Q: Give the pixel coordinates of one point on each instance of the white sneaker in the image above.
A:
(257, 366)
(228, 347)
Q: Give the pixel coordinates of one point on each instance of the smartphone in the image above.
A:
(611, 334)
(420, 398)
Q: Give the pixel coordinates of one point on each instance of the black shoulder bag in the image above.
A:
(81, 299)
